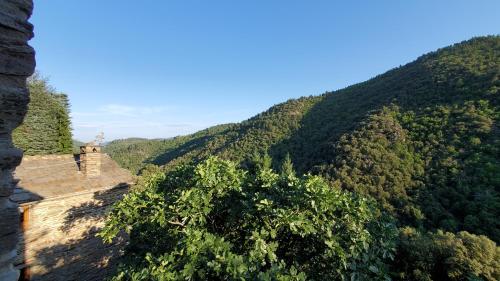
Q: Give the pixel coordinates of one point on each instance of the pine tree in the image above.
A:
(287, 167)
(47, 127)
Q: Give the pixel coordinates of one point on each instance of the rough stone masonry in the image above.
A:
(17, 62)
(90, 160)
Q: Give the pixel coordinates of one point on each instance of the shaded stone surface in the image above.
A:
(17, 62)
(63, 209)
(59, 241)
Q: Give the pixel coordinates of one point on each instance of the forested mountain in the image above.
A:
(135, 153)
(422, 139)
(46, 128)
(309, 127)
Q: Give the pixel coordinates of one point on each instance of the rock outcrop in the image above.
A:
(17, 62)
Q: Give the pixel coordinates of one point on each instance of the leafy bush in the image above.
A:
(214, 221)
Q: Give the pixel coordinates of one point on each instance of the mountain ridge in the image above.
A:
(329, 99)
(422, 139)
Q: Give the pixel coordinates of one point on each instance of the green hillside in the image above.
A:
(422, 139)
(135, 153)
(46, 128)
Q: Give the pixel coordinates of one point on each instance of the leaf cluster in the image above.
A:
(214, 221)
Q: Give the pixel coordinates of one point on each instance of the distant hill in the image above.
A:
(46, 128)
(423, 139)
(135, 153)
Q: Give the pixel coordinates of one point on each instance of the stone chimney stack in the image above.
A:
(90, 160)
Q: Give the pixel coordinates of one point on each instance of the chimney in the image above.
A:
(90, 160)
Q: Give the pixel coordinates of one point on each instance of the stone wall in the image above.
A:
(90, 160)
(59, 241)
(17, 62)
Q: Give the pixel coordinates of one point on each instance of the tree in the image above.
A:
(214, 221)
(46, 128)
(287, 167)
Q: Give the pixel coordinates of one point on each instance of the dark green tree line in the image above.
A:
(46, 128)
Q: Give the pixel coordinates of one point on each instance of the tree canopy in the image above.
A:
(46, 128)
(214, 221)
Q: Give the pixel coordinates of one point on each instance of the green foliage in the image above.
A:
(379, 160)
(446, 256)
(461, 149)
(135, 153)
(46, 128)
(214, 221)
(287, 167)
(437, 168)
(422, 140)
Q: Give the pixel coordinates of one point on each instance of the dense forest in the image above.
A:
(419, 144)
(136, 153)
(46, 128)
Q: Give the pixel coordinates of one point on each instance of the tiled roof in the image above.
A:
(49, 176)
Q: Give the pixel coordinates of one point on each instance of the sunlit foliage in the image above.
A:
(421, 140)
(446, 256)
(214, 221)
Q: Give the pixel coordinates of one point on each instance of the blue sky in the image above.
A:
(164, 68)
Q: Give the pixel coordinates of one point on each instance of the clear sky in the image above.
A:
(164, 68)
